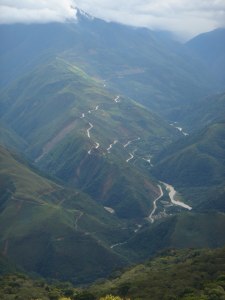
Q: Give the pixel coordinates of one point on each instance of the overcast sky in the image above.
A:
(184, 17)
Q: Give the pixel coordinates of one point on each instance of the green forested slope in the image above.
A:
(190, 274)
(196, 167)
(69, 120)
(51, 230)
(187, 274)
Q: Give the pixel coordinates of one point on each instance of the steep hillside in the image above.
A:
(198, 159)
(195, 166)
(188, 274)
(185, 230)
(210, 48)
(9, 139)
(95, 140)
(53, 231)
(183, 275)
(205, 112)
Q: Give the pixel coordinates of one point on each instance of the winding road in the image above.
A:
(117, 99)
(131, 156)
(129, 142)
(179, 128)
(77, 219)
(111, 145)
(118, 244)
(89, 129)
(154, 204)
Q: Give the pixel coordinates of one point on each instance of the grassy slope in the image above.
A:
(68, 233)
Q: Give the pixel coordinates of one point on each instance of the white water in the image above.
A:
(172, 194)
(97, 145)
(154, 204)
(83, 116)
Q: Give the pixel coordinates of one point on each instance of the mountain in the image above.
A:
(210, 48)
(153, 70)
(93, 175)
(54, 231)
(67, 227)
(88, 137)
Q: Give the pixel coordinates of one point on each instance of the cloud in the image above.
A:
(184, 17)
(36, 11)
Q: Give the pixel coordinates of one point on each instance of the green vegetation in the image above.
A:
(88, 217)
(69, 234)
(205, 112)
(47, 113)
(195, 165)
(187, 274)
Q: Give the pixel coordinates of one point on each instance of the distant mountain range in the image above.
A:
(153, 70)
(112, 146)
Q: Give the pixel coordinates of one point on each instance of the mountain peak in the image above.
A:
(82, 15)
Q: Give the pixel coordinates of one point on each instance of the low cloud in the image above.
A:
(36, 11)
(183, 17)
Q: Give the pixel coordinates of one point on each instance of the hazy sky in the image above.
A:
(184, 17)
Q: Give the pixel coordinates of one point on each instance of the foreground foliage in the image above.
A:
(173, 275)
(186, 274)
